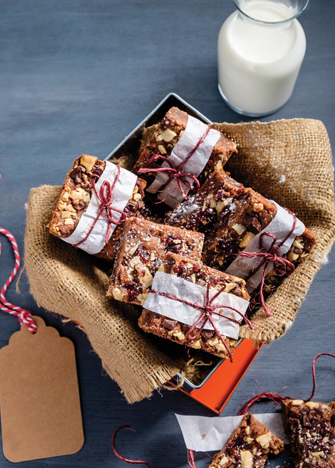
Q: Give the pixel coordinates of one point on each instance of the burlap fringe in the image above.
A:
(293, 163)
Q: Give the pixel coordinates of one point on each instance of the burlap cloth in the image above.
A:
(288, 161)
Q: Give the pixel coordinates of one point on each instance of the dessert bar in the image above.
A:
(143, 246)
(76, 196)
(240, 214)
(198, 274)
(311, 432)
(248, 446)
(211, 203)
(164, 140)
(245, 213)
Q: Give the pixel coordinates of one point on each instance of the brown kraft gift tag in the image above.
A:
(39, 395)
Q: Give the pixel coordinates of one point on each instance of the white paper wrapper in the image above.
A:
(195, 165)
(280, 226)
(121, 194)
(194, 293)
(203, 434)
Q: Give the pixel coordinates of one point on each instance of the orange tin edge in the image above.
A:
(219, 387)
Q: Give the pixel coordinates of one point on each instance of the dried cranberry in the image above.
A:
(133, 290)
(207, 216)
(143, 254)
(173, 244)
(180, 271)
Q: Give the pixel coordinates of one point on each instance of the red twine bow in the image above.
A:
(23, 315)
(175, 173)
(268, 256)
(206, 316)
(126, 460)
(105, 197)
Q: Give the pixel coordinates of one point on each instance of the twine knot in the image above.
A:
(175, 173)
(105, 197)
(208, 310)
(270, 255)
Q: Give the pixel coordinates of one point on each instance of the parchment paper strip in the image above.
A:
(280, 226)
(203, 434)
(195, 165)
(121, 194)
(194, 293)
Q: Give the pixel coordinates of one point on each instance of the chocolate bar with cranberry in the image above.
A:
(75, 198)
(143, 246)
(248, 447)
(165, 138)
(245, 214)
(310, 428)
(216, 198)
(194, 272)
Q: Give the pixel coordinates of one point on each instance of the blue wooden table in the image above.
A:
(76, 77)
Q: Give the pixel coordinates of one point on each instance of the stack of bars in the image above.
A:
(192, 246)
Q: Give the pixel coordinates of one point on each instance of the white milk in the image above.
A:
(259, 63)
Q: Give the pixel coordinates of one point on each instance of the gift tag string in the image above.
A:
(270, 255)
(105, 197)
(207, 311)
(23, 315)
(313, 372)
(175, 173)
(126, 460)
(275, 397)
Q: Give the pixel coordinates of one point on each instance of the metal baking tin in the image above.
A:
(218, 386)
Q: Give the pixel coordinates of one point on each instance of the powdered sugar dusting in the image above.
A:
(184, 210)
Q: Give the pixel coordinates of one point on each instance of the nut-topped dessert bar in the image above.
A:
(168, 133)
(310, 428)
(76, 196)
(143, 246)
(198, 274)
(248, 446)
(216, 198)
(230, 215)
(244, 215)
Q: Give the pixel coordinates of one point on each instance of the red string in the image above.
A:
(126, 460)
(313, 371)
(275, 397)
(105, 197)
(23, 315)
(176, 173)
(207, 311)
(268, 256)
(190, 458)
(269, 396)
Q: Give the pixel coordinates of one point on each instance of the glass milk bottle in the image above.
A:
(261, 47)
